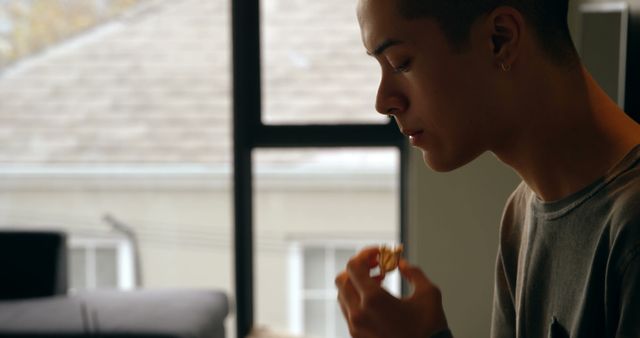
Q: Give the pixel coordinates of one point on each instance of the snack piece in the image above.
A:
(389, 258)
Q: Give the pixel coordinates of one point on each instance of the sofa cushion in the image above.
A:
(179, 313)
(59, 314)
(141, 313)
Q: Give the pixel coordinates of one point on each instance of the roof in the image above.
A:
(154, 86)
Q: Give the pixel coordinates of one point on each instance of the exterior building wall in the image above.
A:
(185, 231)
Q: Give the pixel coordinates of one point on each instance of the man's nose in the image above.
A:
(389, 100)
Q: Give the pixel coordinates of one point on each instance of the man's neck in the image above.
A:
(572, 134)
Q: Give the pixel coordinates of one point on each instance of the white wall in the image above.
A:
(573, 8)
(453, 235)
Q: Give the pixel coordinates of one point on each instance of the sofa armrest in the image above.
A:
(33, 263)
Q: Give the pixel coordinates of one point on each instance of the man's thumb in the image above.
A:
(414, 275)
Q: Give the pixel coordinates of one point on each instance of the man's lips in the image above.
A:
(412, 133)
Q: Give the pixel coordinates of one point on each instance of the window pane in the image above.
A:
(341, 258)
(77, 269)
(315, 318)
(106, 268)
(315, 273)
(115, 125)
(312, 203)
(342, 330)
(314, 64)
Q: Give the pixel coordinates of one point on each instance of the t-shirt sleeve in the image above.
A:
(630, 296)
(503, 317)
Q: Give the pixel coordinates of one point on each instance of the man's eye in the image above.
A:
(403, 67)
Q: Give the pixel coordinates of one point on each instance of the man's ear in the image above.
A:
(506, 25)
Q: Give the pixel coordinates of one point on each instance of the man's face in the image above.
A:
(438, 96)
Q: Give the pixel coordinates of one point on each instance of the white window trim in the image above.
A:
(124, 258)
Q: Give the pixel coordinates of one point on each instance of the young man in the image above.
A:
(465, 77)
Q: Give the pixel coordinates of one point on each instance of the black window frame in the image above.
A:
(250, 133)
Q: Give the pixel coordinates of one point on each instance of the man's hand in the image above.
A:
(372, 312)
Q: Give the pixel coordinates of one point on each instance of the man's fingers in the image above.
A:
(347, 295)
(343, 307)
(359, 268)
(414, 275)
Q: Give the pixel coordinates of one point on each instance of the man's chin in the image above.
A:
(443, 164)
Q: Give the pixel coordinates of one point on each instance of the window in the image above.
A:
(123, 108)
(315, 68)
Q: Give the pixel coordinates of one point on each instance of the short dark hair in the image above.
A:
(547, 17)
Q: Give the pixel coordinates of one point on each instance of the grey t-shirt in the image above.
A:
(571, 268)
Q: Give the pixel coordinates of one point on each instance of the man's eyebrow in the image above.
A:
(383, 46)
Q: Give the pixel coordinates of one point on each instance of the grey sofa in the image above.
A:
(40, 307)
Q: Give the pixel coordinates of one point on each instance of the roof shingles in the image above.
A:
(155, 86)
